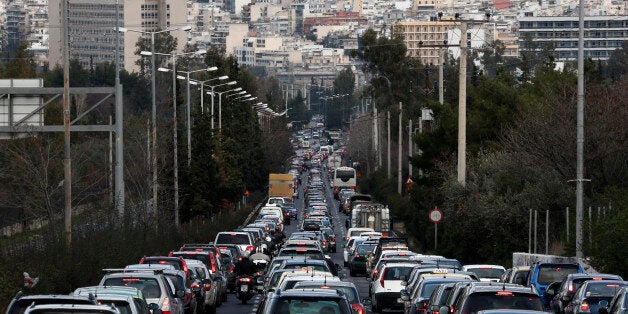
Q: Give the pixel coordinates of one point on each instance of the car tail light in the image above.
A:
(357, 256)
(207, 286)
(195, 285)
(381, 280)
(423, 306)
(250, 248)
(244, 279)
(324, 243)
(571, 287)
(584, 307)
(375, 273)
(358, 308)
(451, 309)
(165, 308)
(170, 254)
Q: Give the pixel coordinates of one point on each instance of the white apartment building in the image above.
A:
(91, 25)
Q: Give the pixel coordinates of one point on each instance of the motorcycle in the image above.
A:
(245, 288)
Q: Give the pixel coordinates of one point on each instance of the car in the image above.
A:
(386, 287)
(482, 296)
(359, 259)
(290, 280)
(517, 274)
(20, 302)
(155, 286)
(543, 274)
(619, 303)
(562, 292)
(206, 290)
(486, 272)
(349, 289)
(439, 297)
(128, 299)
(419, 300)
(71, 308)
(592, 295)
(321, 301)
(177, 262)
(243, 240)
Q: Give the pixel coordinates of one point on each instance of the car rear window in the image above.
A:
(199, 257)
(124, 307)
(149, 286)
(309, 305)
(551, 273)
(397, 273)
(312, 266)
(365, 249)
(602, 289)
(232, 238)
(487, 272)
(482, 301)
(155, 261)
(350, 293)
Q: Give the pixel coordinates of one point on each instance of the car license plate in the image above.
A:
(244, 288)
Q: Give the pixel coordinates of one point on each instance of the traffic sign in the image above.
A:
(436, 215)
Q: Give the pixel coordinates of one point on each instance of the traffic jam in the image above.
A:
(318, 246)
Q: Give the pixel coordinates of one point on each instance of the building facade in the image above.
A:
(91, 27)
(602, 35)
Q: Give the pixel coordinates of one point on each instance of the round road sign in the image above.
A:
(436, 215)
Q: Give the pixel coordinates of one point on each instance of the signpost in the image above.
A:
(436, 216)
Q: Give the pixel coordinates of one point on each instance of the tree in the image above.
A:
(21, 65)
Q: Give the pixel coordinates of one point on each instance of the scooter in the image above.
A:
(245, 288)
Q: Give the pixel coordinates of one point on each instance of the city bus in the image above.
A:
(344, 178)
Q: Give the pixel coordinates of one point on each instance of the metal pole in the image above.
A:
(202, 97)
(536, 225)
(420, 152)
(410, 148)
(388, 146)
(441, 93)
(175, 158)
(435, 236)
(67, 160)
(119, 172)
(546, 232)
(375, 135)
(212, 111)
(111, 188)
(590, 229)
(462, 106)
(567, 219)
(188, 121)
(154, 121)
(400, 161)
(580, 134)
(220, 113)
(530, 232)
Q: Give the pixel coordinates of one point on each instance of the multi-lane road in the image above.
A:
(233, 305)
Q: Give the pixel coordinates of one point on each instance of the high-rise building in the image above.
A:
(602, 35)
(91, 28)
(423, 37)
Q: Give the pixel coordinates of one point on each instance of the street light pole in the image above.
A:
(175, 144)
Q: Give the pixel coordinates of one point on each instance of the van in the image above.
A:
(543, 274)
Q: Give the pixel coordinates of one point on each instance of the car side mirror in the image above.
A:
(367, 302)
(180, 293)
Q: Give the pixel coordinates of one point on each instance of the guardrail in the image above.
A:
(253, 212)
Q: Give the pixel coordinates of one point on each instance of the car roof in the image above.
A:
(109, 290)
(410, 265)
(309, 292)
(482, 266)
(499, 286)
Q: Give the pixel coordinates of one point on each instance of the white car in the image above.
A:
(386, 287)
(488, 273)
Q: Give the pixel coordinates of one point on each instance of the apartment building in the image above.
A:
(602, 35)
(91, 27)
(421, 37)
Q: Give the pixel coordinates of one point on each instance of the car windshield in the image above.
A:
(149, 286)
(309, 305)
(501, 300)
(232, 238)
(553, 273)
(397, 273)
(124, 307)
(365, 249)
(602, 289)
(487, 272)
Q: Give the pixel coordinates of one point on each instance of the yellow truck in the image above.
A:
(281, 185)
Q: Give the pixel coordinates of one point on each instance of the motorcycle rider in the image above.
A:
(245, 267)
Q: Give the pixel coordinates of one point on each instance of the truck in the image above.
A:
(281, 185)
(371, 215)
(334, 161)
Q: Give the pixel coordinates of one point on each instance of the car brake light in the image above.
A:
(250, 248)
(424, 305)
(162, 262)
(234, 234)
(451, 310)
(195, 285)
(130, 279)
(381, 281)
(584, 306)
(571, 287)
(357, 256)
(244, 279)
(358, 308)
(596, 278)
(199, 250)
(375, 273)
(504, 293)
(165, 308)
(207, 286)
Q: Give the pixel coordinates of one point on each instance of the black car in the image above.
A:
(562, 292)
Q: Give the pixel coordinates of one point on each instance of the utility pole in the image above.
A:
(580, 135)
(441, 93)
(67, 160)
(410, 148)
(462, 106)
(119, 172)
(400, 161)
(375, 137)
(388, 146)
(175, 140)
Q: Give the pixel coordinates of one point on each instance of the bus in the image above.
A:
(335, 134)
(344, 177)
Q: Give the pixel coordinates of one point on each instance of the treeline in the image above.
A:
(521, 151)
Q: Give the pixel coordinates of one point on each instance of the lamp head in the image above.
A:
(212, 69)
(163, 70)
(232, 83)
(186, 28)
(146, 53)
(222, 78)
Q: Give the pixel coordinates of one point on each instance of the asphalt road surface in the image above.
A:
(233, 305)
